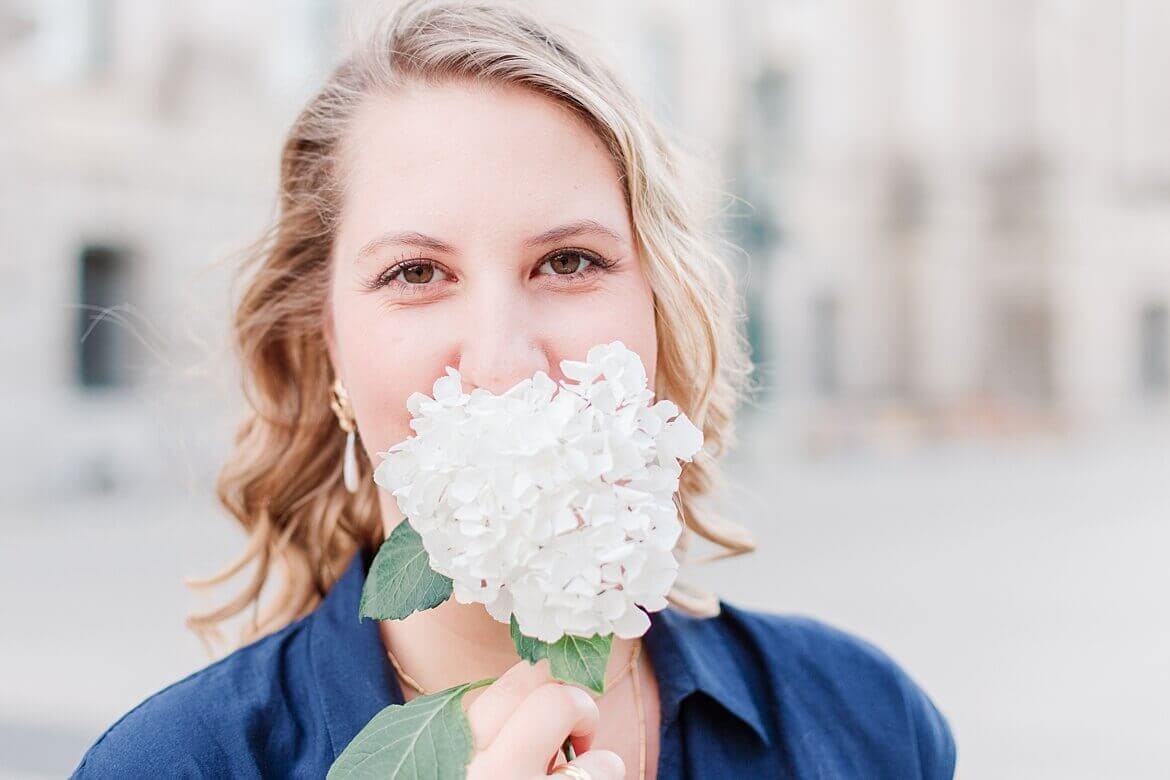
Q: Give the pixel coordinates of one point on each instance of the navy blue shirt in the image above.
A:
(747, 694)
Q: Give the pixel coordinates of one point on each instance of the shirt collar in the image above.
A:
(355, 681)
(693, 655)
(354, 678)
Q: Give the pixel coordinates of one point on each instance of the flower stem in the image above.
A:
(481, 683)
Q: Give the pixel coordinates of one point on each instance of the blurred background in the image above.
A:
(955, 223)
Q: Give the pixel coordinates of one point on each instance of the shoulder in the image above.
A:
(836, 683)
(217, 721)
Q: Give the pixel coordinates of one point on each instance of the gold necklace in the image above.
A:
(627, 669)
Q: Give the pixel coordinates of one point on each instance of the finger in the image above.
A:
(540, 724)
(601, 765)
(488, 712)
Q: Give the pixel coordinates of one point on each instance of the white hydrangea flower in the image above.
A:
(555, 504)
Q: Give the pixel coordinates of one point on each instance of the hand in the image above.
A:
(519, 723)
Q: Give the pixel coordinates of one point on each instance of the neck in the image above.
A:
(457, 643)
(451, 644)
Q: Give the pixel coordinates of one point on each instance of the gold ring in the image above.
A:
(572, 771)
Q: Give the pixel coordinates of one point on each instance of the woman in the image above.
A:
(470, 190)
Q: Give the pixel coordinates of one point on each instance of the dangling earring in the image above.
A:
(339, 402)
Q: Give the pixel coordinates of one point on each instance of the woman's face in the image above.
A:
(483, 229)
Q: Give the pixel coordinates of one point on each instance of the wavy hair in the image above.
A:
(283, 478)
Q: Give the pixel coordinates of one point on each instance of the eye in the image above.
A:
(419, 273)
(413, 273)
(571, 262)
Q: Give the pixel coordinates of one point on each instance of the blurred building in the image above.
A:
(941, 202)
(972, 201)
(139, 152)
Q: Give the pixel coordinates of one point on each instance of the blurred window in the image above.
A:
(825, 337)
(102, 343)
(663, 61)
(1020, 349)
(906, 198)
(64, 41)
(1155, 349)
(100, 38)
(772, 105)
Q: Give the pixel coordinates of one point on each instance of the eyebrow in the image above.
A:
(580, 227)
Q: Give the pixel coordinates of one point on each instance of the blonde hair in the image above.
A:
(283, 479)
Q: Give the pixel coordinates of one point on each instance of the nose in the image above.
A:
(500, 347)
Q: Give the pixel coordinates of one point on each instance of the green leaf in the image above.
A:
(531, 650)
(571, 658)
(401, 580)
(428, 738)
(581, 659)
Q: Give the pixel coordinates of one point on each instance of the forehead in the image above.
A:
(476, 154)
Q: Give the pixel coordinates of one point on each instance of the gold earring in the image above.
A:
(339, 402)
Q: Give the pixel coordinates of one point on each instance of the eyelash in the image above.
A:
(597, 263)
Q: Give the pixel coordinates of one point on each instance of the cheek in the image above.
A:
(384, 359)
(622, 312)
(634, 323)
